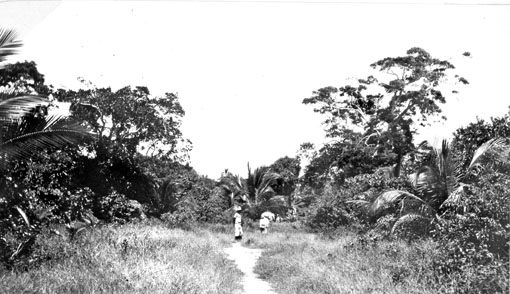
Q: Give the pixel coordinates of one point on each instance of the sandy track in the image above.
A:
(245, 259)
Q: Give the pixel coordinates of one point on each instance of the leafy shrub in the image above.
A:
(475, 243)
(471, 259)
(331, 209)
(371, 185)
(46, 182)
(35, 192)
(467, 139)
(116, 207)
(209, 203)
(198, 198)
(350, 158)
(329, 218)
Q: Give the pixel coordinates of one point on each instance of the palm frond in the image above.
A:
(268, 179)
(391, 198)
(23, 215)
(259, 183)
(440, 176)
(496, 150)
(276, 204)
(362, 205)
(28, 138)
(15, 108)
(411, 224)
(449, 169)
(424, 179)
(8, 43)
(234, 186)
(455, 198)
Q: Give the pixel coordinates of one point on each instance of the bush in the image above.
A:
(116, 207)
(329, 218)
(33, 193)
(331, 209)
(475, 243)
(474, 255)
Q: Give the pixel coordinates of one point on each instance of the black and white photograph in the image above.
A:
(255, 146)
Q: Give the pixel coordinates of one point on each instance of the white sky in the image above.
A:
(242, 69)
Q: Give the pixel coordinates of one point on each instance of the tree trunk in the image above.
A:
(398, 165)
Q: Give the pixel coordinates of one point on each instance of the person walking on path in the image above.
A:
(238, 228)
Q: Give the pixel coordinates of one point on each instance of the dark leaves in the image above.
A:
(463, 80)
(12, 109)
(26, 137)
(8, 43)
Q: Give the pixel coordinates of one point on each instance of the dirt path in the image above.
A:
(246, 258)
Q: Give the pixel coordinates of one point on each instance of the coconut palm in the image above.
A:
(234, 189)
(259, 184)
(440, 183)
(254, 193)
(8, 44)
(443, 181)
(261, 194)
(24, 126)
(438, 177)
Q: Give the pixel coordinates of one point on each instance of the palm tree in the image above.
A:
(255, 193)
(8, 44)
(26, 128)
(23, 131)
(260, 193)
(259, 184)
(234, 188)
(441, 183)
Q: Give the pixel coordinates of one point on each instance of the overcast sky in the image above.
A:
(242, 68)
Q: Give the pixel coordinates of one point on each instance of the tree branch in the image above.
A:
(411, 104)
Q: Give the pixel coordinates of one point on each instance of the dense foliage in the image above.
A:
(467, 139)
(120, 156)
(387, 107)
(475, 244)
(456, 194)
(105, 162)
(288, 172)
(463, 208)
(336, 161)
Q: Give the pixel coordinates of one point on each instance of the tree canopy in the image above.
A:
(387, 107)
(130, 119)
(287, 169)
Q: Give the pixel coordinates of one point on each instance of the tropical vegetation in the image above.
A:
(106, 184)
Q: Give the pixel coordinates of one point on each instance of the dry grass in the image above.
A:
(134, 258)
(154, 259)
(299, 262)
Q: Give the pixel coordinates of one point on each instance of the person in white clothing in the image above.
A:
(264, 224)
(238, 228)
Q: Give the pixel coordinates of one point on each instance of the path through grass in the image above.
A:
(150, 258)
(245, 259)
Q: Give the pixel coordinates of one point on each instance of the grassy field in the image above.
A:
(151, 258)
(299, 262)
(133, 258)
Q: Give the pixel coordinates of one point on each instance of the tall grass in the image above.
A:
(299, 262)
(134, 258)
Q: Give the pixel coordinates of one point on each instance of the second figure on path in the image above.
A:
(264, 224)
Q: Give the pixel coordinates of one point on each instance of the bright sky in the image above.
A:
(242, 68)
